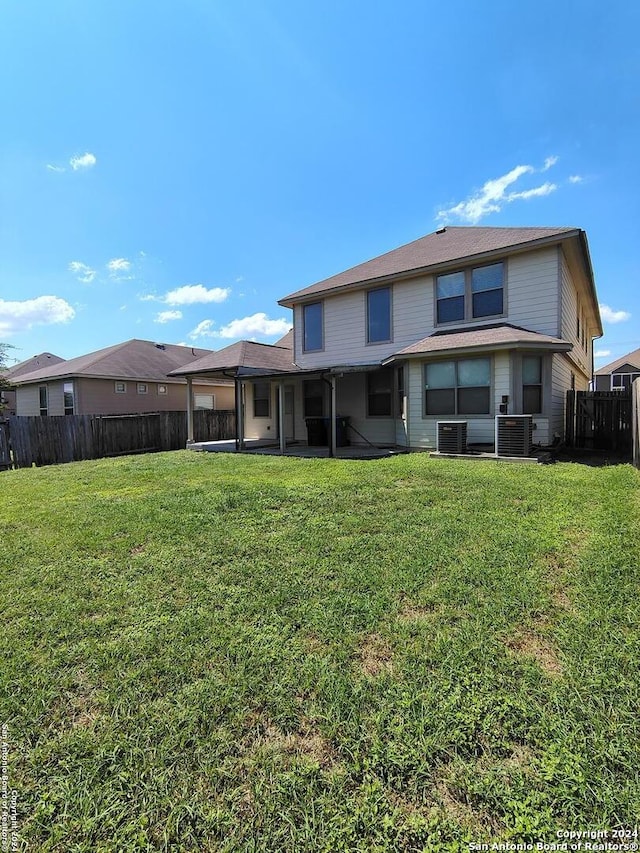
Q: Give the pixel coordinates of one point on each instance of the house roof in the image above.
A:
(36, 362)
(442, 247)
(632, 358)
(491, 337)
(134, 359)
(244, 357)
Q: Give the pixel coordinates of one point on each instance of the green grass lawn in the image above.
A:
(219, 653)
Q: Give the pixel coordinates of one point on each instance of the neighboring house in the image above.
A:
(464, 323)
(619, 374)
(37, 362)
(128, 378)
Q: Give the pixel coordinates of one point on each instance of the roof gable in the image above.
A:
(29, 365)
(631, 358)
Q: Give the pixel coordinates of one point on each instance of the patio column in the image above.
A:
(189, 411)
(332, 417)
(239, 417)
(283, 442)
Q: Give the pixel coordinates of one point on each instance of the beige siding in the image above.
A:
(562, 368)
(345, 325)
(260, 427)
(533, 291)
(98, 397)
(574, 303)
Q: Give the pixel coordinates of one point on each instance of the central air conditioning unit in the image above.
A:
(452, 436)
(514, 435)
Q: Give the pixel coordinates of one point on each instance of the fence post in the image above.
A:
(635, 422)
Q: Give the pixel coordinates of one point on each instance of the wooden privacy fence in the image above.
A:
(5, 449)
(71, 438)
(599, 420)
(636, 422)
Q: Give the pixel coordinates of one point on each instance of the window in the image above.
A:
(142, 388)
(313, 398)
(203, 401)
(261, 399)
(531, 385)
(380, 393)
(67, 391)
(312, 327)
(623, 381)
(162, 389)
(44, 406)
(379, 315)
(400, 389)
(470, 294)
(121, 387)
(458, 387)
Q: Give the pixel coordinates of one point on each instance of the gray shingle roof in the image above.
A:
(441, 247)
(133, 359)
(632, 358)
(491, 337)
(244, 356)
(36, 362)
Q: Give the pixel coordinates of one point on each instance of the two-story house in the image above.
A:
(461, 324)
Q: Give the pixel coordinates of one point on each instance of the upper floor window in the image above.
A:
(312, 327)
(460, 387)
(261, 400)
(470, 294)
(379, 315)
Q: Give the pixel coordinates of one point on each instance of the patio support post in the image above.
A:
(240, 415)
(283, 442)
(190, 439)
(332, 418)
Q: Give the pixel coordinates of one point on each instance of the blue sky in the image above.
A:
(168, 170)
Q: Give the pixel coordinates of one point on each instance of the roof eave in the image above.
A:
(545, 346)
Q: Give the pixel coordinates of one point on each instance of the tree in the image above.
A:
(4, 355)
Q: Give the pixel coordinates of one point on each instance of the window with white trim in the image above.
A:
(379, 315)
(312, 327)
(470, 294)
(120, 387)
(531, 385)
(261, 400)
(43, 394)
(143, 388)
(461, 387)
(67, 393)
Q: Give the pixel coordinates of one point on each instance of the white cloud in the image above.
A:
(149, 297)
(167, 316)
(119, 265)
(52, 168)
(494, 195)
(602, 353)
(575, 179)
(82, 272)
(82, 161)
(193, 294)
(41, 311)
(610, 316)
(202, 330)
(246, 327)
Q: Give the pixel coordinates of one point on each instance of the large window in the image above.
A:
(380, 393)
(623, 381)
(531, 385)
(67, 391)
(261, 400)
(379, 315)
(458, 387)
(312, 327)
(470, 294)
(313, 390)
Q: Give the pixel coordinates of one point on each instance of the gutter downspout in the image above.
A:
(189, 411)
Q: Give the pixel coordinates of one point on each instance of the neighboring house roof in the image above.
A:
(631, 358)
(491, 337)
(244, 357)
(444, 246)
(36, 362)
(134, 359)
